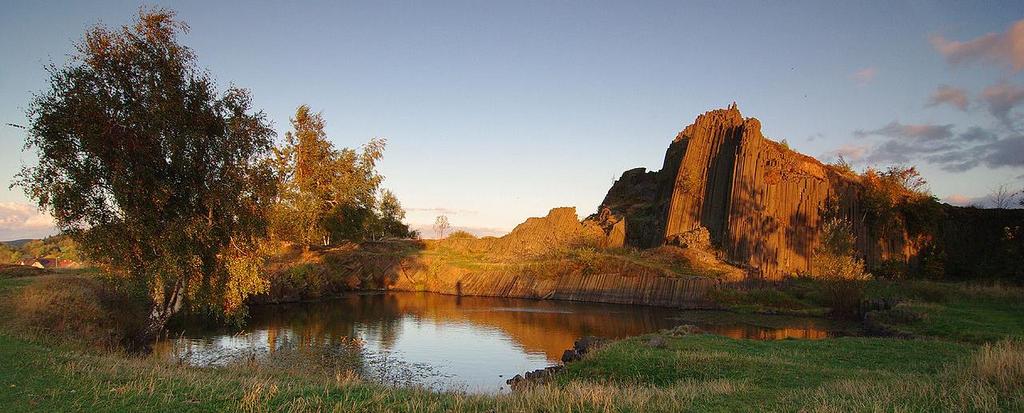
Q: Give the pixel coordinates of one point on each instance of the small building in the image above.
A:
(57, 263)
(31, 262)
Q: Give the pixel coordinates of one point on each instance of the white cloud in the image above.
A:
(949, 95)
(851, 153)
(959, 200)
(865, 75)
(1001, 98)
(1006, 48)
(21, 220)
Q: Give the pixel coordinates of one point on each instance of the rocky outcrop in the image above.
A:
(761, 203)
(561, 228)
(644, 289)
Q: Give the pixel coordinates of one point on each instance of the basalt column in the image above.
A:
(703, 182)
(776, 205)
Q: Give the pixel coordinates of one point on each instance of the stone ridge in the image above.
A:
(761, 202)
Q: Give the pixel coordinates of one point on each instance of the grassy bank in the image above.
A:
(297, 274)
(843, 374)
(949, 368)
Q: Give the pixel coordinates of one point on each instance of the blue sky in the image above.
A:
(495, 112)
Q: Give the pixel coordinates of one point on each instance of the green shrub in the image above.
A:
(892, 269)
(840, 271)
(460, 234)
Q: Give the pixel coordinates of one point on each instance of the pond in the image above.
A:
(447, 342)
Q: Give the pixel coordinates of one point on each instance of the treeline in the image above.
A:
(57, 246)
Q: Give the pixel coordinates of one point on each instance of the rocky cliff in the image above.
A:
(762, 203)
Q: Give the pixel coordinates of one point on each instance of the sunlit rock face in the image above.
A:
(761, 202)
(561, 228)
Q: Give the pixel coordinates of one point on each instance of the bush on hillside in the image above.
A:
(461, 234)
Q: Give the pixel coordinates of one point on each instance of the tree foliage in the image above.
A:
(57, 246)
(389, 218)
(9, 255)
(897, 199)
(441, 226)
(328, 194)
(163, 180)
(836, 255)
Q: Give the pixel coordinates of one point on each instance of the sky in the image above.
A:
(499, 111)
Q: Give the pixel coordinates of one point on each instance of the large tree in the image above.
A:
(325, 193)
(163, 179)
(392, 216)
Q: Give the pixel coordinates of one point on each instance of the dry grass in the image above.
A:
(991, 380)
(993, 291)
(1000, 365)
(15, 271)
(76, 309)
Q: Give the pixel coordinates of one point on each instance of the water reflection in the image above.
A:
(439, 341)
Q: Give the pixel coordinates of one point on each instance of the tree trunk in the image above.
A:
(165, 304)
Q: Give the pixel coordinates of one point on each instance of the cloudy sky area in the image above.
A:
(498, 112)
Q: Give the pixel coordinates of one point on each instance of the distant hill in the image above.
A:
(18, 243)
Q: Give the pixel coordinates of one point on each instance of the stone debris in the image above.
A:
(657, 342)
(580, 348)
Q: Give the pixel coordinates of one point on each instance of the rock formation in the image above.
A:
(561, 228)
(761, 203)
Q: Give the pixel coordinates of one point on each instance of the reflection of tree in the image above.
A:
(326, 322)
(384, 330)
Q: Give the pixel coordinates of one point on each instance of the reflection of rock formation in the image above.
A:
(759, 333)
(546, 327)
(326, 329)
(543, 327)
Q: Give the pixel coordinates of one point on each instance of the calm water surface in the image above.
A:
(448, 342)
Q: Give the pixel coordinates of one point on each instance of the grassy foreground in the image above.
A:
(949, 370)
